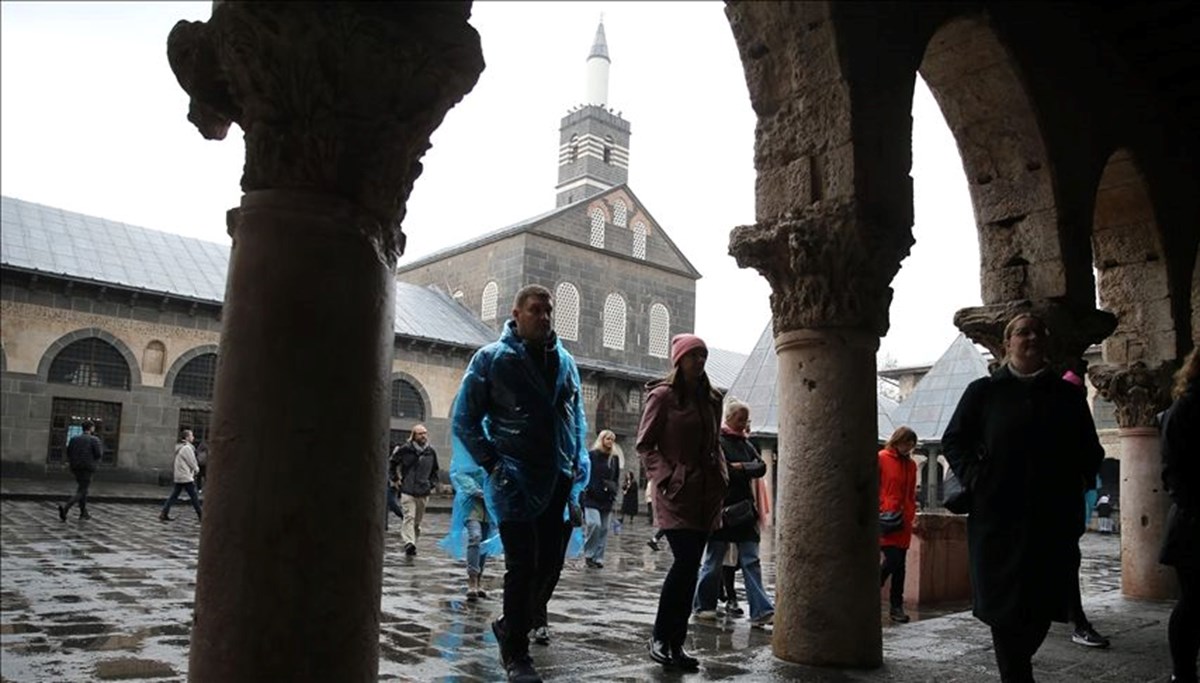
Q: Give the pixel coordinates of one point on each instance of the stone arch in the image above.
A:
(183, 359)
(426, 404)
(1132, 279)
(56, 347)
(989, 110)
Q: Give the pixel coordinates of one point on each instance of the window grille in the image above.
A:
(635, 400)
(619, 211)
(491, 296)
(67, 416)
(639, 240)
(197, 421)
(597, 236)
(660, 330)
(90, 362)
(197, 377)
(566, 311)
(614, 322)
(589, 391)
(406, 401)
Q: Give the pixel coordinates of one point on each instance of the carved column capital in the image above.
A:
(334, 98)
(1138, 392)
(1072, 329)
(828, 265)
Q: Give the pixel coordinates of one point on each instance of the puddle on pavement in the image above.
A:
(84, 629)
(115, 641)
(67, 598)
(10, 600)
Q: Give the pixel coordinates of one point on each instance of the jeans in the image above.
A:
(476, 530)
(533, 559)
(190, 487)
(894, 561)
(679, 588)
(83, 480)
(711, 575)
(595, 533)
(414, 511)
(1015, 647)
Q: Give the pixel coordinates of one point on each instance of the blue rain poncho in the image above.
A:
(508, 419)
(469, 480)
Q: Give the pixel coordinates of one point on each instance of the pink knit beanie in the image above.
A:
(682, 343)
(1073, 378)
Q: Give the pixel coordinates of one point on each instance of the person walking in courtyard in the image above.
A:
(739, 528)
(519, 414)
(1024, 444)
(418, 466)
(1181, 541)
(678, 441)
(470, 523)
(629, 498)
(186, 469)
(391, 489)
(898, 508)
(1104, 510)
(83, 454)
(599, 496)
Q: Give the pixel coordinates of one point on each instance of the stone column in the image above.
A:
(1139, 394)
(828, 267)
(337, 102)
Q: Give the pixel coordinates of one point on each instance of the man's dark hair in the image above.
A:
(89, 426)
(528, 291)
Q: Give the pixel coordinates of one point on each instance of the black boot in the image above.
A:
(683, 660)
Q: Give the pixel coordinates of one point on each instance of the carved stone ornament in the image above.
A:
(1139, 393)
(828, 266)
(1072, 329)
(335, 98)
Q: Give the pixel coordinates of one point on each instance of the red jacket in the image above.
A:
(898, 491)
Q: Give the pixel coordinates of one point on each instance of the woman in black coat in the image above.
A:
(1181, 543)
(1024, 442)
(745, 465)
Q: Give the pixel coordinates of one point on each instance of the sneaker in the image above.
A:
(62, 513)
(410, 550)
(481, 594)
(1088, 637)
(162, 517)
(84, 515)
(732, 610)
(520, 670)
(653, 544)
(472, 595)
(593, 563)
(540, 635)
(705, 615)
(898, 616)
(764, 619)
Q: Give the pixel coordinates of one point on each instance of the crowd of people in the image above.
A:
(527, 482)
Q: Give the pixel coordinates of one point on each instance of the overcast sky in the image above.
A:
(92, 120)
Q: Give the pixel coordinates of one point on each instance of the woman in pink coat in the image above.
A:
(678, 440)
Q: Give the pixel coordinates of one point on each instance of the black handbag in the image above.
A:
(737, 514)
(891, 521)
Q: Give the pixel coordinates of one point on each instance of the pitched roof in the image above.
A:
(44, 239)
(531, 225)
(723, 367)
(757, 385)
(928, 408)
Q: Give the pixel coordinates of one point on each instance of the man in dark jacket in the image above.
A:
(1024, 442)
(418, 467)
(83, 453)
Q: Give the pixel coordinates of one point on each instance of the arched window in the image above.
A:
(639, 240)
(619, 212)
(597, 236)
(90, 362)
(406, 401)
(154, 357)
(566, 311)
(491, 296)
(614, 322)
(660, 330)
(196, 379)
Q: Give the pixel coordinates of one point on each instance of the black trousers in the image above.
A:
(894, 562)
(83, 480)
(1015, 647)
(679, 587)
(1183, 630)
(533, 558)
(546, 590)
(1075, 607)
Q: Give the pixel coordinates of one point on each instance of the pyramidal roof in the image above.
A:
(927, 410)
(757, 385)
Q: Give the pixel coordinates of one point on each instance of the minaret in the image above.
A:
(593, 153)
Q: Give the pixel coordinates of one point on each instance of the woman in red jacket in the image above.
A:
(897, 494)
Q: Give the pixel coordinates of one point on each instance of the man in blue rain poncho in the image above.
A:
(519, 415)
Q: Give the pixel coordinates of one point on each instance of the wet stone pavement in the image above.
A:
(111, 599)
